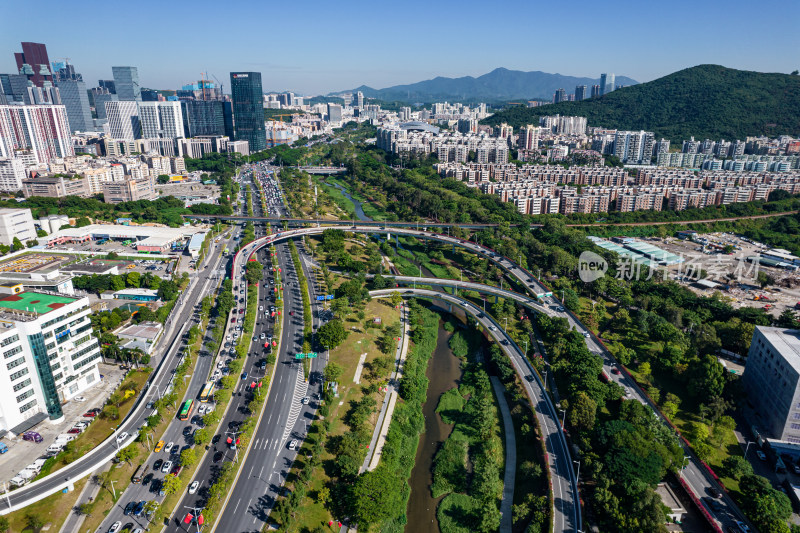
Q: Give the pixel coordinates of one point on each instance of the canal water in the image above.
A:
(359, 211)
(444, 373)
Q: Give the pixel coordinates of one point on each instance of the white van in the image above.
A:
(65, 437)
(18, 481)
(34, 468)
(53, 449)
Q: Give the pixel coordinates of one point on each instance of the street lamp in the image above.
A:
(506, 319)
(563, 417)
(578, 475)
(747, 448)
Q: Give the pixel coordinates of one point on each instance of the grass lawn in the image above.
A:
(102, 427)
(312, 512)
(53, 509)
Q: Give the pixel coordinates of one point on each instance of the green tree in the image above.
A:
(4, 524)
(582, 412)
(16, 245)
(737, 467)
(133, 279)
(396, 298)
(127, 454)
(706, 377)
(201, 436)
(376, 497)
(331, 334)
(253, 272)
(34, 521)
(171, 484)
(332, 371)
(188, 457)
(162, 179)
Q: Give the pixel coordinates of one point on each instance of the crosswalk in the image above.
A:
(300, 389)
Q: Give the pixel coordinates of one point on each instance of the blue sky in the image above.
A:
(316, 47)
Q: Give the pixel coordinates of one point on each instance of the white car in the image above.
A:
(260, 307)
(193, 487)
(168, 447)
(492, 328)
(305, 400)
(115, 527)
(293, 444)
(586, 335)
(121, 437)
(79, 399)
(166, 467)
(263, 336)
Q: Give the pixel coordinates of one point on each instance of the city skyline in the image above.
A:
(330, 57)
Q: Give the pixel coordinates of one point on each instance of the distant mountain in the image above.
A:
(706, 101)
(499, 85)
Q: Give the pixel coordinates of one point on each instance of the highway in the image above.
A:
(172, 345)
(267, 461)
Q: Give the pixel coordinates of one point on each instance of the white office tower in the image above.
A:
(123, 120)
(50, 355)
(41, 129)
(16, 223)
(12, 172)
(161, 120)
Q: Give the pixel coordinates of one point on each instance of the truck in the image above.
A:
(3, 447)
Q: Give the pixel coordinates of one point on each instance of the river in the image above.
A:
(444, 373)
(359, 211)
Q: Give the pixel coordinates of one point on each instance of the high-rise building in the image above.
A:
(149, 95)
(123, 120)
(15, 88)
(528, 138)
(161, 120)
(65, 71)
(51, 352)
(203, 117)
(360, 99)
(101, 96)
(606, 83)
(108, 85)
(559, 96)
(595, 91)
(248, 111)
(772, 381)
(41, 129)
(227, 118)
(34, 63)
(634, 147)
(334, 113)
(48, 94)
(580, 93)
(126, 83)
(12, 172)
(76, 101)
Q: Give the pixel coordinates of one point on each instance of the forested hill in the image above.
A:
(706, 101)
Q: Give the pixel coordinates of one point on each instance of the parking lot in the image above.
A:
(21, 453)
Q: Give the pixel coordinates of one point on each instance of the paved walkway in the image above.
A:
(511, 457)
(90, 491)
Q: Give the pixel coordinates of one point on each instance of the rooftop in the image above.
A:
(37, 302)
(786, 342)
(145, 330)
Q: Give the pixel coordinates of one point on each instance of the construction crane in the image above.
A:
(281, 115)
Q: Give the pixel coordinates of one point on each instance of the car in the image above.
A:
(504, 342)
(560, 309)
(761, 455)
(168, 447)
(293, 444)
(122, 436)
(291, 313)
(176, 470)
(150, 405)
(193, 487)
(139, 508)
(715, 492)
(305, 400)
(614, 370)
(89, 414)
(586, 335)
(157, 464)
(217, 457)
(244, 375)
(713, 504)
(159, 446)
(115, 527)
(744, 527)
(260, 307)
(262, 336)
(176, 449)
(166, 466)
(79, 399)
(187, 431)
(129, 508)
(75, 431)
(32, 436)
(796, 469)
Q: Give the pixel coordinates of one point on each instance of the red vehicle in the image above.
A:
(74, 431)
(233, 320)
(90, 414)
(615, 370)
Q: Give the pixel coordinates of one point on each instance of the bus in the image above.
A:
(207, 392)
(186, 410)
(140, 473)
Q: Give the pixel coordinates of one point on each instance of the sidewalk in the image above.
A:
(90, 491)
(511, 457)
